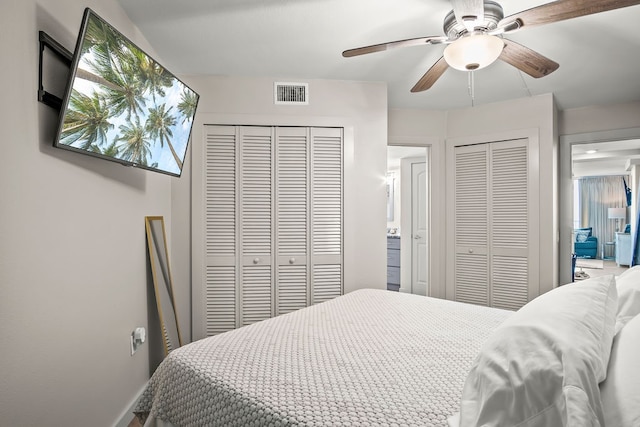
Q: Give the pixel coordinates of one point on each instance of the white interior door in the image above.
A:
(326, 213)
(292, 223)
(272, 223)
(255, 220)
(219, 227)
(509, 213)
(471, 224)
(414, 223)
(419, 221)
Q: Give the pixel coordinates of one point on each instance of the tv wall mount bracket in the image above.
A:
(64, 55)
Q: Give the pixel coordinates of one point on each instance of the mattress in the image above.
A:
(368, 358)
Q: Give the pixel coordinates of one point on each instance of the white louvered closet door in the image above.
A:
(509, 224)
(220, 229)
(492, 224)
(273, 222)
(292, 207)
(326, 211)
(256, 165)
(471, 224)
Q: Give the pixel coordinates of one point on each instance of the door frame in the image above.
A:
(435, 211)
(566, 189)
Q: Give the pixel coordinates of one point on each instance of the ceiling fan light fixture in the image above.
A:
(473, 52)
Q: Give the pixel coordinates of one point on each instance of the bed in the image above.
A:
(370, 356)
(381, 358)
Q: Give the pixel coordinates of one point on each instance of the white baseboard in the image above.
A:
(127, 415)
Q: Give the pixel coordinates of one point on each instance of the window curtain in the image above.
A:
(597, 195)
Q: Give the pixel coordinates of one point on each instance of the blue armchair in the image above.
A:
(585, 245)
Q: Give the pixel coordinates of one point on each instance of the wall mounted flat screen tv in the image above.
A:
(121, 105)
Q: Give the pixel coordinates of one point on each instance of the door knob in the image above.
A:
(292, 260)
(256, 260)
(417, 236)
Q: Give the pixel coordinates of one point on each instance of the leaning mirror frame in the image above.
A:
(162, 282)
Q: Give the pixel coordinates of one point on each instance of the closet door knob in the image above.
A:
(470, 251)
(292, 260)
(256, 260)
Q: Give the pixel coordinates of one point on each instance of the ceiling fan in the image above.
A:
(474, 32)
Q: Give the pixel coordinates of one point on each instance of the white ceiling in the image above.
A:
(303, 39)
(609, 158)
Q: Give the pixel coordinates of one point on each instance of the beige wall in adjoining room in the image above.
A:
(359, 107)
(73, 265)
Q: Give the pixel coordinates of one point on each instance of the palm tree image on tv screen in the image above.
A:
(124, 105)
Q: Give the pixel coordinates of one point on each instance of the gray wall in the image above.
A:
(73, 267)
(74, 280)
(73, 264)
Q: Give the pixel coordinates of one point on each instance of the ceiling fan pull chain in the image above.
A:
(524, 84)
(472, 88)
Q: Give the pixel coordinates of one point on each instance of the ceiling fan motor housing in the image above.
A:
(492, 15)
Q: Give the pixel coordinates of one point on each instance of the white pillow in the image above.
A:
(628, 284)
(621, 390)
(629, 271)
(542, 366)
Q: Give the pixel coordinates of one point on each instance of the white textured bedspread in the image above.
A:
(368, 358)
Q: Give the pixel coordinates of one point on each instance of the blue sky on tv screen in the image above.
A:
(157, 153)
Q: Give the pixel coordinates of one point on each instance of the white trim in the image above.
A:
(436, 209)
(127, 415)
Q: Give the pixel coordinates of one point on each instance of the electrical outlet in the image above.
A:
(138, 337)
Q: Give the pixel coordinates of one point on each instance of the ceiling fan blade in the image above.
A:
(561, 10)
(527, 60)
(468, 11)
(431, 76)
(390, 45)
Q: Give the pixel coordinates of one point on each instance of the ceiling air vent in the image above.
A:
(291, 93)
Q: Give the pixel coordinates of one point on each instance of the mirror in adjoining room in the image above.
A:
(163, 286)
(605, 184)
